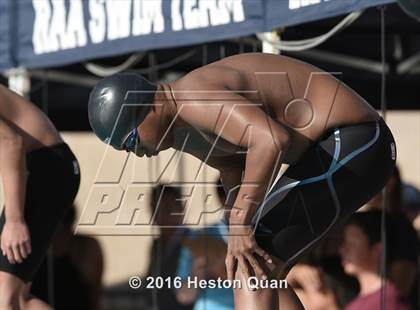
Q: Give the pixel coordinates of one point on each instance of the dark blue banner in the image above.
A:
(45, 33)
(293, 12)
(5, 31)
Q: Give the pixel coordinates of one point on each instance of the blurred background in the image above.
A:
(53, 53)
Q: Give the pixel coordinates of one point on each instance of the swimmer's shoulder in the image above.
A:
(235, 70)
(11, 103)
(4, 98)
(267, 62)
(210, 80)
(3, 89)
(199, 83)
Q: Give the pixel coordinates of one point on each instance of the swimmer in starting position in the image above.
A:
(246, 115)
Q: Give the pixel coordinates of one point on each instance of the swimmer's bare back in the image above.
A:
(304, 100)
(28, 120)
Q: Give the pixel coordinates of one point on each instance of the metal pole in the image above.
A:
(153, 76)
(19, 81)
(384, 191)
(269, 48)
(241, 45)
(222, 51)
(44, 103)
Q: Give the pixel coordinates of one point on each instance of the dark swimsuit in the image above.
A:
(52, 184)
(334, 178)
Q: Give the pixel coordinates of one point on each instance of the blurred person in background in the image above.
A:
(168, 213)
(77, 269)
(322, 284)
(361, 252)
(203, 256)
(403, 270)
(411, 196)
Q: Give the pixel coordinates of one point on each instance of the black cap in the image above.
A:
(118, 104)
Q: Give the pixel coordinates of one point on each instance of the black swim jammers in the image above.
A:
(52, 184)
(334, 178)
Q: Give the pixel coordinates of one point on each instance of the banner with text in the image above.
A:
(45, 33)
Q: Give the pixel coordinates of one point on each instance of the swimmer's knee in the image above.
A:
(12, 289)
(281, 270)
(33, 303)
(10, 281)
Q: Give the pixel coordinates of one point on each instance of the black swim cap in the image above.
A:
(118, 104)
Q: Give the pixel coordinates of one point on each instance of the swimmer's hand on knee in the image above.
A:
(15, 241)
(242, 249)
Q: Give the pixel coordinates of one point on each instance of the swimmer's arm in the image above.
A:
(13, 170)
(244, 124)
(263, 161)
